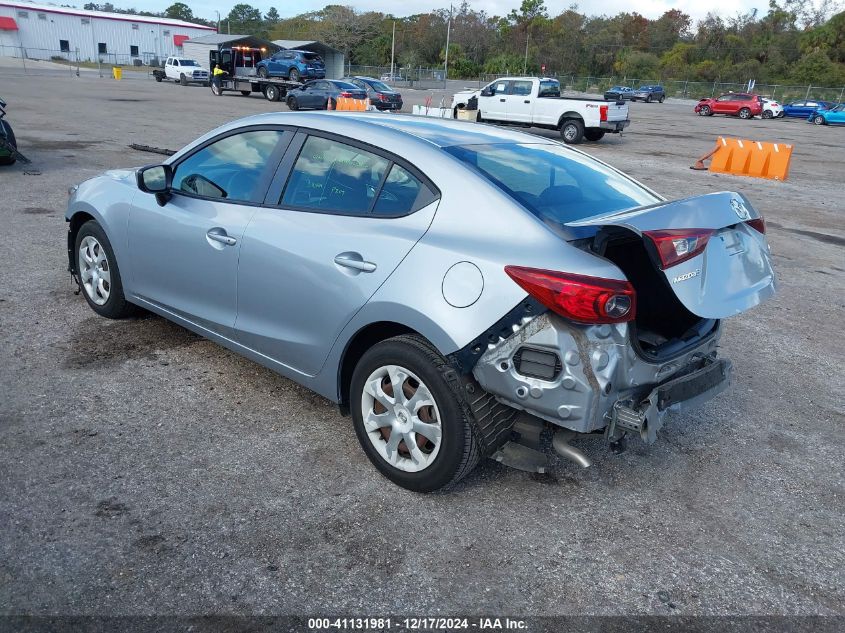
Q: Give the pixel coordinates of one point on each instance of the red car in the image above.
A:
(738, 104)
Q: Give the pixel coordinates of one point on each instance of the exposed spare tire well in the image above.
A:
(663, 327)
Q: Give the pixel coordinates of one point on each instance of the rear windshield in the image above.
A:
(311, 57)
(548, 88)
(554, 183)
(345, 86)
(378, 86)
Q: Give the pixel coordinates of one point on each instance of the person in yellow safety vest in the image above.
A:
(217, 74)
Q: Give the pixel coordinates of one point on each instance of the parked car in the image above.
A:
(740, 104)
(803, 109)
(833, 116)
(391, 78)
(432, 277)
(617, 93)
(649, 94)
(318, 94)
(532, 101)
(382, 96)
(184, 71)
(8, 145)
(771, 109)
(292, 64)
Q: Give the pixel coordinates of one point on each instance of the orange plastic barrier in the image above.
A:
(348, 104)
(751, 158)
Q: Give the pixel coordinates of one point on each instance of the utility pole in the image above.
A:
(448, 33)
(218, 21)
(525, 61)
(393, 52)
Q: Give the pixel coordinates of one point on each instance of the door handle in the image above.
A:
(219, 235)
(348, 260)
(502, 100)
(527, 101)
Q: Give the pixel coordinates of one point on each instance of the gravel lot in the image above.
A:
(144, 470)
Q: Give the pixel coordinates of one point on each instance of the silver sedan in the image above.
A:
(446, 283)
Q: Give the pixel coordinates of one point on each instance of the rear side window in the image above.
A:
(521, 88)
(552, 182)
(402, 193)
(334, 177)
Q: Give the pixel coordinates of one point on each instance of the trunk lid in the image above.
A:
(730, 275)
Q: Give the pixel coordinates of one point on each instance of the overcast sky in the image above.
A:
(287, 8)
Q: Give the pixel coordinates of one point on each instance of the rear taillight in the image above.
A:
(345, 94)
(382, 97)
(758, 225)
(676, 246)
(578, 297)
(603, 113)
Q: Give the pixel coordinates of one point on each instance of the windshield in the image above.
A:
(554, 183)
(187, 62)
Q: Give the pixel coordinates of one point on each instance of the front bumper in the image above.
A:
(614, 126)
(596, 367)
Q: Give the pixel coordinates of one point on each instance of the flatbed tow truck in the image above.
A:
(239, 64)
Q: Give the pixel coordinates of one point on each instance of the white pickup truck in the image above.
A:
(183, 70)
(536, 102)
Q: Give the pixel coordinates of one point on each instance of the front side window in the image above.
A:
(556, 184)
(230, 168)
(332, 176)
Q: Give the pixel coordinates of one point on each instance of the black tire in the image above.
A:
(293, 104)
(246, 93)
(745, 113)
(705, 111)
(116, 307)
(572, 131)
(263, 72)
(593, 134)
(459, 450)
(293, 74)
(183, 80)
(648, 99)
(271, 93)
(819, 120)
(662, 99)
(10, 138)
(158, 78)
(767, 114)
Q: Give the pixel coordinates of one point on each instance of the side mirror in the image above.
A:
(487, 92)
(156, 179)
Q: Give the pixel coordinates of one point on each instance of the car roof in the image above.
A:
(434, 131)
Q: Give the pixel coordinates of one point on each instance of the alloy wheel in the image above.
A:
(401, 418)
(95, 271)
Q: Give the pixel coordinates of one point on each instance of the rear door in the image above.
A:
(339, 219)
(519, 102)
(730, 275)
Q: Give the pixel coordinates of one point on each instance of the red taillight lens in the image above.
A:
(678, 246)
(758, 225)
(382, 97)
(578, 297)
(345, 94)
(603, 113)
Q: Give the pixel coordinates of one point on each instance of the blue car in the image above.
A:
(803, 109)
(292, 64)
(832, 116)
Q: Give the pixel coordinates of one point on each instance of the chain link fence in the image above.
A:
(73, 57)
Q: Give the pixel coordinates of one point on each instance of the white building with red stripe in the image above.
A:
(43, 31)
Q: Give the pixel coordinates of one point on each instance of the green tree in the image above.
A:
(179, 11)
(272, 17)
(244, 19)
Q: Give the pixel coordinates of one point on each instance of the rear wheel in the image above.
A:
(272, 93)
(293, 74)
(572, 131)
(648, 99)
(263, 72)
(745, 113)
(593, 134)
(662, 99)
(99, 274)
(819, 120)
(705, 111)
(767, 114)
(410, 423)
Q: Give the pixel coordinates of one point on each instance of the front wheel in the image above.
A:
(661, 99)
(158, 78)
(572, 131)
(593, 134)
(408, 420)
(6, 130)
(98, 273)
(745, 113)
(648, 99)
(819, 120)
(293, 104)
(272, 93)
(263, 72)
(293, 74)
(183, 80)
(705, 111)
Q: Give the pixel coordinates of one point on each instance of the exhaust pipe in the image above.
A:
(560, 442)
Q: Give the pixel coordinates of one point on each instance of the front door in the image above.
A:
(493, 101)
(346, 218)
(184, 254)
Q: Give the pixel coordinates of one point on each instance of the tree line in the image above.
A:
(793, 42)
